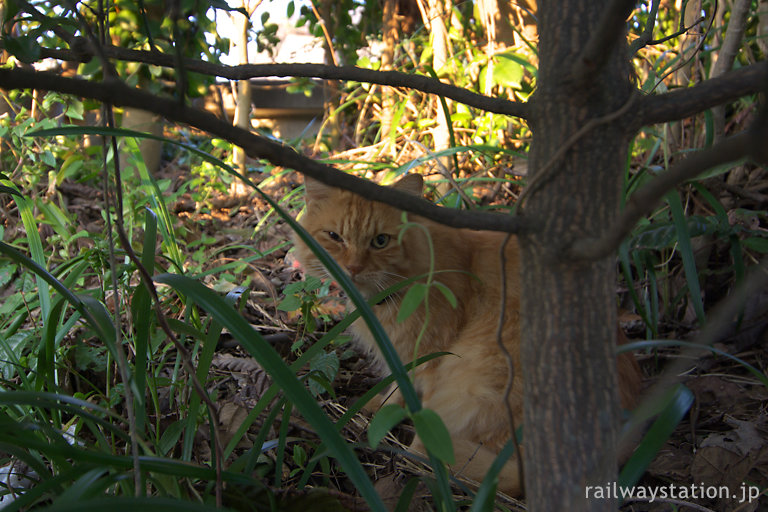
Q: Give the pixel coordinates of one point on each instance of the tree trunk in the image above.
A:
(150, 149)
(435, 16)
(568, 316)
(238, 49)
(387, 60)
(734, 36)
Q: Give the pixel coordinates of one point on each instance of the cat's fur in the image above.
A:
(467, 387)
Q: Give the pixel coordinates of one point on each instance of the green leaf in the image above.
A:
(171, 435)
(326, 365)
(289, 303)
(9, 190)
(299, 455)
(508, 72)
(384, 420)
(677, 404)
(447, 293)
(756, 244)
(686, 253)
(487, 492)
(406, 495)
(25, 48)
(433, 433)
(413, 298)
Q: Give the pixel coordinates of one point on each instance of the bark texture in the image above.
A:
(568, 310)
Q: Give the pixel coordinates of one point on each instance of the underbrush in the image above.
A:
(186, 365)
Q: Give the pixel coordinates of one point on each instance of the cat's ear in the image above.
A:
(411, 183)
(316, 190)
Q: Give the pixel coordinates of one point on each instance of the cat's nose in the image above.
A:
(354, 269)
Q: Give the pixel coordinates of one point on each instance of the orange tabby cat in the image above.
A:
(467, 387)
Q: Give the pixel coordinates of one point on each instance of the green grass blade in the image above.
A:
(141, 309)
(69, 405)
(642, 345)
(93, 311)
(269, 359)
(486, 493)
(36, 250)
(677, 405)
(686, 253)
(203, 368)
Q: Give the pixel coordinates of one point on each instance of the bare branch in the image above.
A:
(645, 38)
(681, 103)
(644, 200)
(727, 54)
(117, 93)
(84, 52)
(647, 34)
(39, 16)
(610, 29)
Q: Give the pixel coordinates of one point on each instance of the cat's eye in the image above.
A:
(380, 241)
(334, 236)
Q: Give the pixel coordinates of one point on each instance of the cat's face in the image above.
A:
(361, 235)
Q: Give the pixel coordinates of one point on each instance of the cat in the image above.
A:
(467, 387)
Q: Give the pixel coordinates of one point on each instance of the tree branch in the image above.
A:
(643, 201)
(686, 102)
(734, 34)
(610, 29)
(645, 38)
(83, 52)
(647, 34)
(117, 93)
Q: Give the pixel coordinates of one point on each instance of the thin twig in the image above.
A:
(326, 34)
(421, 83)
(695, 50)
(122, 360)
(178, 57)
(446, 173)
(508, 356)
(670, 36)
(184, 354)
(647, 34)
(83, 52)
(108, 69)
